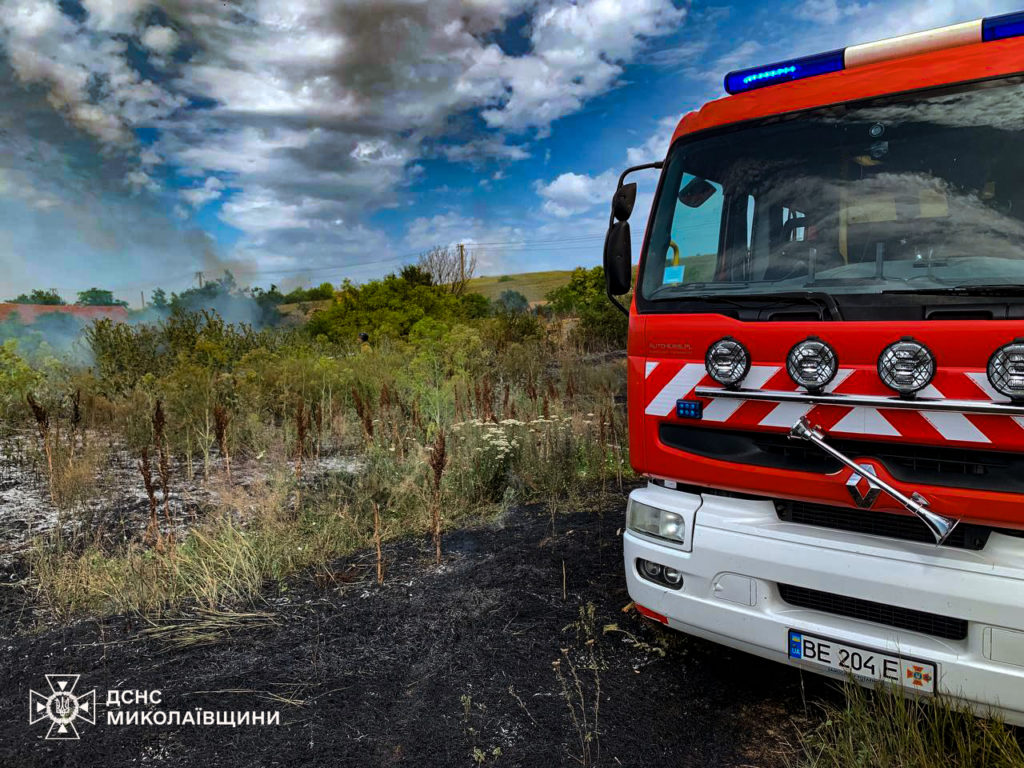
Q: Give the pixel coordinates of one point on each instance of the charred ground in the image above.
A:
(445, 665)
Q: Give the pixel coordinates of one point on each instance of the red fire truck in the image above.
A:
(826, 366)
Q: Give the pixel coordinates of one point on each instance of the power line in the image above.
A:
(574, 243)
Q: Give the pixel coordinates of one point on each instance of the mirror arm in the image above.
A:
(616, 302)
(611, 218)
(622, 179)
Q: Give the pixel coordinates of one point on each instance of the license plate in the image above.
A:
(861, 662)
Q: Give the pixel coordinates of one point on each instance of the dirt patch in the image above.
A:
(442, 666)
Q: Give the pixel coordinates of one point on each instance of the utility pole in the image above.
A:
(199, 277)
(462, 263)
(142, 297)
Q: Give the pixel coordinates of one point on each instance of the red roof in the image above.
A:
(926, 70)
(28, 313)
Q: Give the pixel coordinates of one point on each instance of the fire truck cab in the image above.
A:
(826, 366)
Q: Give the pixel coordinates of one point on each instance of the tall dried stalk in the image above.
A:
(437, 460)
(221, 420)
(75, 421)
(317, 410)
(458, 403)
(42, 418)
(363, 411)
(153, 531)
(301, 429)
(377, 544)
(488, 394)
(618, 446)
(163, 460)
(506, 397)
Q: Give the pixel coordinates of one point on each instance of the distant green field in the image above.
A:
(533, 285)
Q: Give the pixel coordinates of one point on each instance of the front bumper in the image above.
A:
(741, 552)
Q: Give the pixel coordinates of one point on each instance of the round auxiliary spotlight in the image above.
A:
(727, 362)
(812, 363)
(1006, 370)
(907, 366)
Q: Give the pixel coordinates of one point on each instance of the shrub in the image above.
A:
(600, 325)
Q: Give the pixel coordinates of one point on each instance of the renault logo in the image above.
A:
(863, 492)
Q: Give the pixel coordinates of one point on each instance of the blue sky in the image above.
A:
(298, 141)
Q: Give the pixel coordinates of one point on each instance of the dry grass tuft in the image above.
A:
(888, 728)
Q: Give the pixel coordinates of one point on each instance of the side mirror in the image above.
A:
(618, 258)
(623, 201)
(618, 248)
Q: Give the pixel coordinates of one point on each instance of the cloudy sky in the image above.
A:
(302, 141)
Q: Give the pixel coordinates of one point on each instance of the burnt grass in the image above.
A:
(445, 665)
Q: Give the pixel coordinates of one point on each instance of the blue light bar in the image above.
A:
(784, 71)
(1002, 27)
(968, 33)
(690, 409)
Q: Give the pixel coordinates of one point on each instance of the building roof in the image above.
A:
(29, 313)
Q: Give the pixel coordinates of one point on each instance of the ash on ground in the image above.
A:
(450, 665)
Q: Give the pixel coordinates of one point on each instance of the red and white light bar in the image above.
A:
(967, 33)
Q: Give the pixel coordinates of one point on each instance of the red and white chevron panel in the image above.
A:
(668, 381)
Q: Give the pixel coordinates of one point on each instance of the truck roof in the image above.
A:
(874, 74)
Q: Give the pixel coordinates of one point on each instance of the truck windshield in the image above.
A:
(924, 192)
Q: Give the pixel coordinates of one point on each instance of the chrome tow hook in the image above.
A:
(940, 526)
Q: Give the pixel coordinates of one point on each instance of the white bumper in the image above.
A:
(741, 552)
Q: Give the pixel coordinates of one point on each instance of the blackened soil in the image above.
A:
(442, 666)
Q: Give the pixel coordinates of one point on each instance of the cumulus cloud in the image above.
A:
(475, 151)
(577, 50)
(655, 146)
(573, 193)
(318, 111)
(197, 197)
(139, 180)
(162, 40)
(86, 72)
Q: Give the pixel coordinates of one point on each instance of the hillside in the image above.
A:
(533, 285)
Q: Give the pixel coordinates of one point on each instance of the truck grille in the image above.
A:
(879, 613)
(887, 524)
(927, 465)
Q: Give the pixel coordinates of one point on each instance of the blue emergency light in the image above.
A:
(784, 71)
(983, 30)
(690, 409)
(1002, 27)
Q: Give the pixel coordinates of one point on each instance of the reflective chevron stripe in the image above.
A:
(722, 410)
(681, 385)
(860, 420)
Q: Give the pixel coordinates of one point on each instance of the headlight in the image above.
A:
(727, 362)
(643, 518)
(812, 363)
(1006, 370)
(906, 366)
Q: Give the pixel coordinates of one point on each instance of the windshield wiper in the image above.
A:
(824, 301)
(685, 288)
(967, 290)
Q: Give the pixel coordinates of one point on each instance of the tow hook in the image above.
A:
(940, 526)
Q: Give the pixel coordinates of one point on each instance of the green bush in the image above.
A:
(392, 306)
(600, 325)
